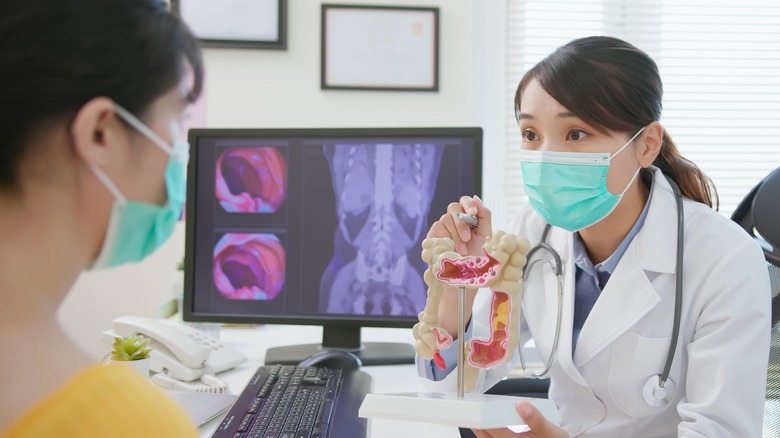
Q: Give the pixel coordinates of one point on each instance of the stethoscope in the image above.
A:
(658, 389)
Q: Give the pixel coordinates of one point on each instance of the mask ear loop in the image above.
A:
(128, 117)
(627, 143)
(621, 150)
(120, 198)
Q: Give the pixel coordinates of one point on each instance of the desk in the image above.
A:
(254, 341)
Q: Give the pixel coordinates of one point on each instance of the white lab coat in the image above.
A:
(721, 359)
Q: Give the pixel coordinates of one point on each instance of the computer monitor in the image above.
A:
(319, 227)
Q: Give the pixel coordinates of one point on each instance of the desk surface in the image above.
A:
(255, 340)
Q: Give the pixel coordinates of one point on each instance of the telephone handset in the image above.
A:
(181, 352)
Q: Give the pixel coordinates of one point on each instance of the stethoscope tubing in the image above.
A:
(677, 286)
(557, 266)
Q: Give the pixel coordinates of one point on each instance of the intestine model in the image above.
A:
(500, 268)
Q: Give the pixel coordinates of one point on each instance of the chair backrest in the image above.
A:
(772, 399)
(759, 215)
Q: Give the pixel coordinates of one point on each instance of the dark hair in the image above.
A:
(612, 85)
(59, 54)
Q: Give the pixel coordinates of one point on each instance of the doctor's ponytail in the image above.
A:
(613, 86)
(694, 184)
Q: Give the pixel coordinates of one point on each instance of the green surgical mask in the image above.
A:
(569, 189)
(136, 229)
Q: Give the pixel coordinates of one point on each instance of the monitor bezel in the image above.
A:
(475, 133)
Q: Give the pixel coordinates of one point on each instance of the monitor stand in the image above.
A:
(344, 338)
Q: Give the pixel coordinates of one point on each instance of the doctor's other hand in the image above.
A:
(468, 240)
(540, 426)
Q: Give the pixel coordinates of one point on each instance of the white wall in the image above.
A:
(263, 88)
(281, 89)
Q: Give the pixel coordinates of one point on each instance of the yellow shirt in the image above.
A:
(105, 401)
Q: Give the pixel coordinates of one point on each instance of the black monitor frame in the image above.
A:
(340, 332)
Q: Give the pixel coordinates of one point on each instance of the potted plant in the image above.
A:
(132, 351)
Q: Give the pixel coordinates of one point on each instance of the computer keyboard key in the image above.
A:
(245, 423)
(300, 403)
(326, 408)
(253, 408)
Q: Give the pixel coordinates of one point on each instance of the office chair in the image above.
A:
(759, 215)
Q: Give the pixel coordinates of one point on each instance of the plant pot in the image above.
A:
(141, 366)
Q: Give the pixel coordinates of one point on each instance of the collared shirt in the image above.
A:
(590, 280)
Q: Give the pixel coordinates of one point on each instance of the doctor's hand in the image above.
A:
(468, 240)
(540, 427)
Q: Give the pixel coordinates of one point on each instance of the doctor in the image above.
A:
(597, 167)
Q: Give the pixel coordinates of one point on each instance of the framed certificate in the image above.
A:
(254, 24)
(380, 48)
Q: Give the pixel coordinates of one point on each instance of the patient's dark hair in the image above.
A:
(612, 85)
(56, 55)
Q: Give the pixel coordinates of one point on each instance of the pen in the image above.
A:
(471, 220)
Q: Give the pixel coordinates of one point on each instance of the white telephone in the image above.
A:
(178, 351)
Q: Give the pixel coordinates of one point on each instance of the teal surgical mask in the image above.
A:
(136, 229)
(569, 189)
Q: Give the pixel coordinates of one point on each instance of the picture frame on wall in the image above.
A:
(389, 48)
(250, 24)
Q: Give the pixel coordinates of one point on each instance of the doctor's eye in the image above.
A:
(529, 135)
(576, 134)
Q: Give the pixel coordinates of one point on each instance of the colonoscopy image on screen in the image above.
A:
(251, 179)
(249, 266)
(312, 225)
(383, 194)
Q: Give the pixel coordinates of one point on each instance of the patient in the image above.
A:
(91, 175)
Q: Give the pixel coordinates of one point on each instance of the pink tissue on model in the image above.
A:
(492, 352)
(469, 270)
(443, 340)
(439, 361)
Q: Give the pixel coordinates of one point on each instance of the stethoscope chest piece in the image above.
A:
(655, 395)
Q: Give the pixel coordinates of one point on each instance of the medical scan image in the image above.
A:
(383, 194)
(251, 179)
(249, 266)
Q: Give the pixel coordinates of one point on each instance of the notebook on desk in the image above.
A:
(202, 407)
(285, 401)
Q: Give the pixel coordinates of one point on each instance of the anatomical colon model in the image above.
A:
(249, 266)
(383, 195)
(251, 180)
(500, 268)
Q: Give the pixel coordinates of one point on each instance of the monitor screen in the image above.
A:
(319, 226)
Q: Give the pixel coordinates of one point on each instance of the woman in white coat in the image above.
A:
(595, 164)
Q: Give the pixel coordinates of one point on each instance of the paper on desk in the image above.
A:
(201, 406)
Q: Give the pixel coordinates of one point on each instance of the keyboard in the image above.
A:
(282, 401)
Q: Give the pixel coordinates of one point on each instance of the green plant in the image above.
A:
(127, 348)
